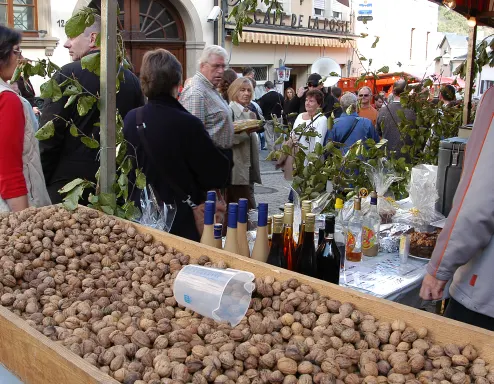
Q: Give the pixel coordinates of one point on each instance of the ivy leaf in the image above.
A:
(70, 101)
(71, 200)
(72, 90)
(92, 63)
(108, 199)
(126, 165)
(108, 210)
(46, 131)
(51, 67)
(384, 69)
(74, 131)
(93, 199)
(90, 142)
(76, 24)
(70, 186)
(85, 104)
(140, 179)
(374, 44)
(123, 180)
(51, 90)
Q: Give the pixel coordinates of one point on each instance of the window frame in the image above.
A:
(10, 17)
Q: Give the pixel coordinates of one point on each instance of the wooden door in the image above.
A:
(151, 24)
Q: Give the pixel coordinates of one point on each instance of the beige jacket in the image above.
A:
(33, 172)
(245, 151)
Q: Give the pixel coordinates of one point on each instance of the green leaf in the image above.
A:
(76, 25)
(123, 180)
(98, 40)
(140, 179)
(90, 142)
(384, 69)
(46, 131)
(93, 199)
(84, 104)
(51, 90)
(362, 58)
(70, 101)
(92, 63)
(428, 83)
(126, 165)
(108, 210)
(17, 74)
(364, 35)
(70, 186)
(71, 200)
(374, 44)
(71, 90)
(108, 199)
(74, 131)
(51, 67)
(399, 64)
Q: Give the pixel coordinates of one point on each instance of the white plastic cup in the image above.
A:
(221, 294)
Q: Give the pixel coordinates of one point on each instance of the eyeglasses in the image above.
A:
(18, 52)
(366, 95)
(217, 66)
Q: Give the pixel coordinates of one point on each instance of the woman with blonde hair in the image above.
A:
(289, 93)
(246, 170)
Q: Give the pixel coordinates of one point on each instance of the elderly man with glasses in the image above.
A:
(365, 108)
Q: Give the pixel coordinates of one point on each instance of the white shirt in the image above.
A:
(319, 125)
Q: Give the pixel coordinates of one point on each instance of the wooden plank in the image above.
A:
(35, 359)
(442, 330)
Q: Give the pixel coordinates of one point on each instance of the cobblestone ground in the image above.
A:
(274, 189)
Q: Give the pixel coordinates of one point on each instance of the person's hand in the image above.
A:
(36, 110)
(432, 288)
(301, 92)
(220, 211)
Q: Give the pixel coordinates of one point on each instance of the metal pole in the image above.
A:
(108, 81)
(470, 75)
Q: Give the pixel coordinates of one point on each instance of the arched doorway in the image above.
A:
(151, 24)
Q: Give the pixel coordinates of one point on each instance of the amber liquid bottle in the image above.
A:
(270, 230)
(307, 262)
(328, 254)
(288, 243)
(276, 256)
(306, 208)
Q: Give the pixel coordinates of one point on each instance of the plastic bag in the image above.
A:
(423, 196)
(381, 178)
(156, 215)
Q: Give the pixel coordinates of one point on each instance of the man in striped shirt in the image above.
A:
(201, 98)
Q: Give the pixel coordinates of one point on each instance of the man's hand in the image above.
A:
(36, 110)
(432, 288)
(301, 92)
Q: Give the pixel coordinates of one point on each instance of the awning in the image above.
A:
(268, 38)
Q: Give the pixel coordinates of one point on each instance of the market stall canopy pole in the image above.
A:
(108, 88)
(470, 75)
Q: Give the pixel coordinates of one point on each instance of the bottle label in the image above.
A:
(368, 238)
(350, 242)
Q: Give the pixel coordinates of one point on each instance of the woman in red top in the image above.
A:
(21, 184)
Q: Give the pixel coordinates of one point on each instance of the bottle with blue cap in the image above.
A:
(231, 243)
(243, 244)
(261, 246)
(218, 235)
(211, 196)
(208, 233)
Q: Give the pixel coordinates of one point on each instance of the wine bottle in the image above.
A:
(328, 255)
(354, 234)
(340, 230)
(288, 243)
(243, 244)
(320, 238)
(208, 232)
(218, 233)
(270, 230)
(261, 247)
(276, 255)
(370, 228)
(231, 243)
(306, 208)
(307, 263)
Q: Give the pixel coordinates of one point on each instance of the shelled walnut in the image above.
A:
(105, 292)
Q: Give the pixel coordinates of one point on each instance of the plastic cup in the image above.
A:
(221, 294)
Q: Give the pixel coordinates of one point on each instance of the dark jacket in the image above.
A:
(184, 153)
(64, 157)
(297, 105)
(271, 103)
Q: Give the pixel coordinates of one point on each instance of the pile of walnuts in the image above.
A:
(96, 286)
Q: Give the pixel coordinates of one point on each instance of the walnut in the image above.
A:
(177, 354)
(416, 362)
(287, 366)
(398, 325)
(435, 351)
(369, 369)
(346, 309)
(350, 336)
(395, 338)
(478, 370)
(469, 352)
(333, 306)
(383, 335)
(409, 335)
(397, 357)
(421, 344)
(459, 378)
(396, 378)
(402, 367)
(352, 378)
(181, 373)
(383, 367)
(305, 367)
(141, 339)
(451, 350)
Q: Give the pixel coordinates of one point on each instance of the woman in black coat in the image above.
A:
(181, 149)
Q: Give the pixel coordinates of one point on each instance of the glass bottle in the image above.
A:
(306, 208)
(340, 229)
(320, 239)
(307, 263)
(261, 248)
(231, 242)
(270, 230)
(218, 233)
(328, 255)
(288, 243)
(208, 232)
(243, 244)
(276, 255)
(354, 234)
(370, 228)
(211, 196)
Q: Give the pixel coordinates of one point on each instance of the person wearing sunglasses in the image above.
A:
(297, 103)
(365, 108)
(21, 177)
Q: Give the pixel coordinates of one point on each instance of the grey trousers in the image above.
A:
(270, 134)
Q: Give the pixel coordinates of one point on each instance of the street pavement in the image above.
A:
(274, 189)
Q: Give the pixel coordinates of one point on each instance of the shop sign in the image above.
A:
(300, 22)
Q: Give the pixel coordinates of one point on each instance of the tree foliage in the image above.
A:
(450, 21)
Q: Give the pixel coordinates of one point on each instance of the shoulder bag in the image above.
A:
(197, 210)
(347, 135)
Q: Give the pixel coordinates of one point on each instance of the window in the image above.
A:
(318, 12)
(319, 7)
(485, 85)
(337, 15)
(19, 14)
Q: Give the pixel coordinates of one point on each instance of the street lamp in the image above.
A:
(282, 74)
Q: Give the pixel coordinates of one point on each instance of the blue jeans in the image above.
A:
(262, 139)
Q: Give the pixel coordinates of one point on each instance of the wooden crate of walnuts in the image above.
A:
(88, 299)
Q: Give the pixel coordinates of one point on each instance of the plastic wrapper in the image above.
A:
(389, 238)
(423, 196)
(154, 214)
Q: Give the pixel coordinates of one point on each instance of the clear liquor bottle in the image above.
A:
(370, 229)
(354, 234)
